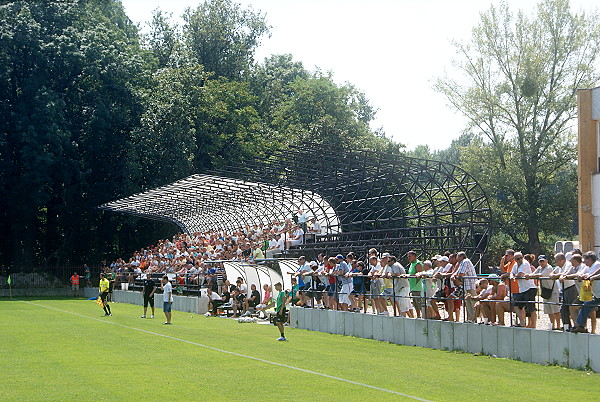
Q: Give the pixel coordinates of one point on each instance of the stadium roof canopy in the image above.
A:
(362, 198)
(205, 202)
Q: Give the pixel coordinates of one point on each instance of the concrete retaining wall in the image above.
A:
(581, 351)
(197, 305)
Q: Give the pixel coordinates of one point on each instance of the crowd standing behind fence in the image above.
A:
(449, 282)
(443, 287)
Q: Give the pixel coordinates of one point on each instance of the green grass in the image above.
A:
(47, 354)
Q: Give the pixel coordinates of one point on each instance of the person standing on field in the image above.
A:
(104, 287)
(149, 289)
(280, 317)
(75, 284)
(167, 289)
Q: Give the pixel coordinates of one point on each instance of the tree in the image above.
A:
(222, 36)
(68, 100)
(163, 40)
(317, 110)
(518, 89)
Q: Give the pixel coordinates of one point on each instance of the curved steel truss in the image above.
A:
(363, 199)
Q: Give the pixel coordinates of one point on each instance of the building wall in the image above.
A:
(588, 168)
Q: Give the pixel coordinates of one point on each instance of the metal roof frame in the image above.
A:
(363, 199)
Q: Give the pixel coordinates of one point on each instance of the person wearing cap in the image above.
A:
(439, 295)
(549, 287)
(484, 291)
(489, 307)
(567, 288)
(445, 274)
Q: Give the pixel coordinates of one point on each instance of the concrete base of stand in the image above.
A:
(580, 351)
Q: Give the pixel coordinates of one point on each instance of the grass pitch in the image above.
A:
(63, 349)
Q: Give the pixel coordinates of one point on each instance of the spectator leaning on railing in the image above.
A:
(467, 270)
(524, 301)
(566, 287)
(549, 291)
(592, 275)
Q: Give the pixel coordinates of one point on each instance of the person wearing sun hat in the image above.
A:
(550, 288)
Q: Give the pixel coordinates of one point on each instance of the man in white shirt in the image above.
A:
(297, 237)
(400, 291)
(567, 287)
(316, 227)
(466, 270)
(524, 301)
(592, 274)
(167, 289)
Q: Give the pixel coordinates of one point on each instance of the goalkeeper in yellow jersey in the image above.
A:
(104, 288)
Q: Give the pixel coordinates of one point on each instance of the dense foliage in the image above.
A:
(92, 110)
(518, 89)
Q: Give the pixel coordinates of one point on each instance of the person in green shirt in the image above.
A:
(104, 287)
(416, 286)
(280, 317)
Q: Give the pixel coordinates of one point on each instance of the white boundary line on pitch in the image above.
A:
(234, 353)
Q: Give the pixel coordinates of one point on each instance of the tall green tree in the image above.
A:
(518, 83)
(319, 111)
(68, 100)
(223, 36)
(163, 39)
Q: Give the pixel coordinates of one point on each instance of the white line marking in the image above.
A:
(235, 354)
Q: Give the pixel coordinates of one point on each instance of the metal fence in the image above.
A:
(432, 305)
(46, 277)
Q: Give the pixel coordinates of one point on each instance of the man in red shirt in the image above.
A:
(75, 284)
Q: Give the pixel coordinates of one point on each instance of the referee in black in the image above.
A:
(149, 289)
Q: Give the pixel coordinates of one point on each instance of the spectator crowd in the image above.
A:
(569, 290)
(445, 287)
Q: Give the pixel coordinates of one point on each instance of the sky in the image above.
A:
(392, 50)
